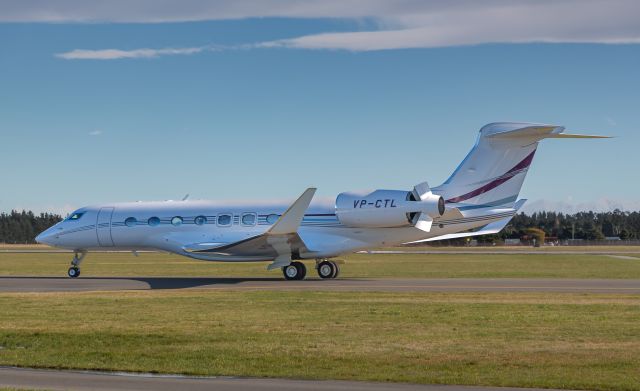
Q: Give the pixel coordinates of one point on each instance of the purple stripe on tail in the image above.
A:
(525, 163)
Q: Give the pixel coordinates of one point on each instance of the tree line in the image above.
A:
(561, 227)
(22, 227)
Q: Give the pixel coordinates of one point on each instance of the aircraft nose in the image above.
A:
(45, 237)
(41, 238)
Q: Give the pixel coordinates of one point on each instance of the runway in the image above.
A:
(97, 381)
(65, 284)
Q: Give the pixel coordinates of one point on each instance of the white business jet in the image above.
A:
(479, 198)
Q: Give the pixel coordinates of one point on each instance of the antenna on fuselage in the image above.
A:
(186, 197)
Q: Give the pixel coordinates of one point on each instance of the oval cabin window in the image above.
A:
(224, 220)
(249, 219)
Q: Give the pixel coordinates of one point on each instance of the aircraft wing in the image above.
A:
(280, 242)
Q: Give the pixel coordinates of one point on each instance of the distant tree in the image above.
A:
(22, 227)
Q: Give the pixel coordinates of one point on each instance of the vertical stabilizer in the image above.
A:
(493, 171)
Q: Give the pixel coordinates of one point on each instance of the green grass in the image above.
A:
(574, 341)
(15, 389)
(579, 341)
(357, 265)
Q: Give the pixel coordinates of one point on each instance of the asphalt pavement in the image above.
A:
(66, 284)
(100, 381)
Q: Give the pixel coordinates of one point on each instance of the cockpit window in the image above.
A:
(75, 216)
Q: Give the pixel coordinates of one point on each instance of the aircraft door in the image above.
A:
(103, 227)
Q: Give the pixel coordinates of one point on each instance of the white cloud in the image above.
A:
(601, 22)
(398, 24)
(115, 54)
(96, 132)
(154, 11)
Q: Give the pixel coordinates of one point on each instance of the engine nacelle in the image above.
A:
(386, 208)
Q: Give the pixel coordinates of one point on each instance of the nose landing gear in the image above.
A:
(74, 270)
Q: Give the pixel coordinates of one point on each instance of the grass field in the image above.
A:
(524, 339)
(578, 341)
(357, 265)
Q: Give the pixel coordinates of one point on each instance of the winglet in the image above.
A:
(290, 220)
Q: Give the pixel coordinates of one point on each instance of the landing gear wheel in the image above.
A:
(336, 267)
(326, 269)
(294, 271)
(73, 272)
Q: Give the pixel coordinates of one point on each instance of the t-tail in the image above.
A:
(492, 173)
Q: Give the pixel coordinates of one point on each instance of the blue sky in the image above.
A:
(97, 108)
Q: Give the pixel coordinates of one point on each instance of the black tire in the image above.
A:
(73, 272)
(302, 270)
(290, 272)
(336, 267)
(326, 269)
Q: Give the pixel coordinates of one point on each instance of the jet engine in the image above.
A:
(390, 208)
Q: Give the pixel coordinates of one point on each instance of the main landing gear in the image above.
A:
(327, 269)
(294, 271)
(74, 270)
(297, 270)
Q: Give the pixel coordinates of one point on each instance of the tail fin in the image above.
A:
(493, 171)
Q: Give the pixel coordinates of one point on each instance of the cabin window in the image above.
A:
(176, 221)
(272, 218)
(249, 219)
(224, 219)
(130, 221)
(200, 220)
(75, 216)
(153, 221)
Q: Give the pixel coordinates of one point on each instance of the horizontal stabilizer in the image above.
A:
(539, 132)
(491, 228)
(568, 135)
